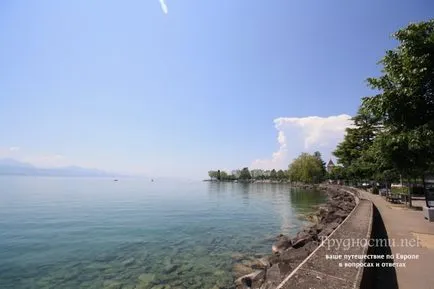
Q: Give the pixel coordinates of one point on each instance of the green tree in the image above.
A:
(393, 132)
(306, 168)
(317, 154)
(406, 87)
(273, 175)
(267, 175)
(352, 152)
(405, 103)
(337, 173)
(257, 174)
(213, 174)
(406, 99)
(245, 174)
(224, 176)
(281, 175)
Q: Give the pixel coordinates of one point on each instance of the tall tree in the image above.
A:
(245, 174)
(224, 176)
(306, 168)
(405, 103)
(212, 174)
(394, 130)
(257, 174)
(281, 176)
(321, 162)
(273, 174)
(406, 87)
(337, 173)
(352, 151)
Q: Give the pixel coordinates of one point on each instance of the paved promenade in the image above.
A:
(405, 225)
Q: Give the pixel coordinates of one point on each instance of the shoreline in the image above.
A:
(249, 181)
(252, 181)
(288, 252)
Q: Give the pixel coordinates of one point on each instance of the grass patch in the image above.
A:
(399, 191)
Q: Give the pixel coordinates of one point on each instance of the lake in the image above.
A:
(134, 233)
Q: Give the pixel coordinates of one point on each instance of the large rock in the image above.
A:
(301, 242)
(302, 239)
(253, 280)
(334, 225)
(241, 270)
(314, 230)
(292, 255)
(313, 218)
(283, 243)
(324, 233)
(341, 213)
(319, 227)
(261, 263)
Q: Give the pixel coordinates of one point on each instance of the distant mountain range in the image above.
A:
(14, 167)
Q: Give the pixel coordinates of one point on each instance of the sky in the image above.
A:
(178, 87)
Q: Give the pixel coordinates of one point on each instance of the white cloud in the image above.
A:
(14, 149)
(164, 6)
(305, 134)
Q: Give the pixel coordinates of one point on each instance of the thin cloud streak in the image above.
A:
(164, 6)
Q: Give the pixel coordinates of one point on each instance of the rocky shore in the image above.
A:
(288, 252)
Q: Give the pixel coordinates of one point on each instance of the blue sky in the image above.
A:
(123, 86)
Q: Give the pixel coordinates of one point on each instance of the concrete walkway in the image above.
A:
(407, 227)
(319, 271)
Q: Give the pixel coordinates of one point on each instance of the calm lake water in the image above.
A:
(96, 233)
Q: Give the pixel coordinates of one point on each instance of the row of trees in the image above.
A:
(306, 168)
(393, 132)
(246, 174)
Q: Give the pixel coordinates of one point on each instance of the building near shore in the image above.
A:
(330, 166)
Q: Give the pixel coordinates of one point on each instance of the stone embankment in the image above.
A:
(332, 265)
(290, 253)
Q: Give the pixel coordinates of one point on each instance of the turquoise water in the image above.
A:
(96, 233)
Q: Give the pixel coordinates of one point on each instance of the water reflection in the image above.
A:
(302, 199)
(245, 189)
(288, 205)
